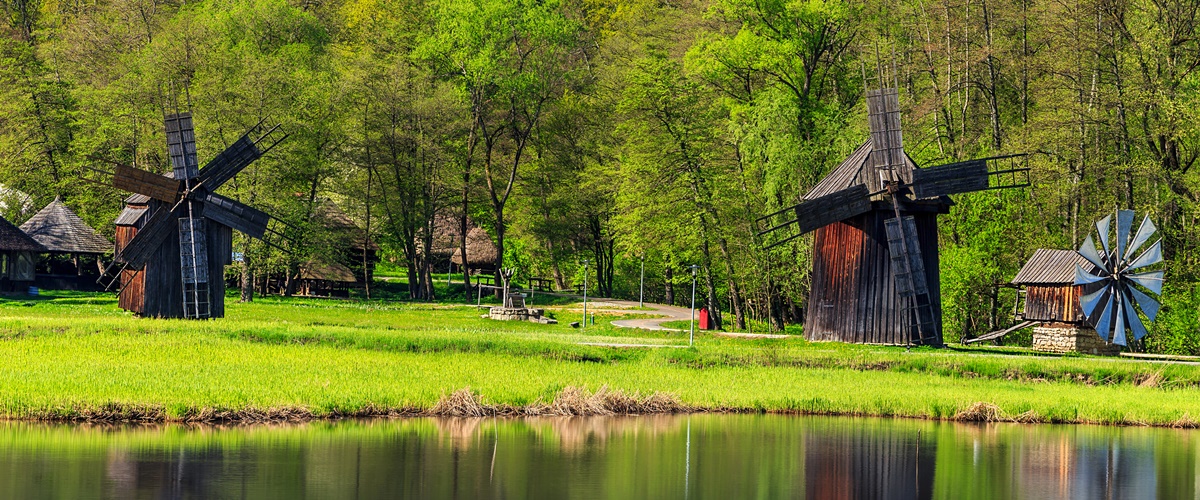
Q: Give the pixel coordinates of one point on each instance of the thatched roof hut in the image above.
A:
(327, 272)
(481, 252)
(58, 229)
(12, 239)
(337, 220)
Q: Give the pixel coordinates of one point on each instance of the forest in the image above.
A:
(623, 132)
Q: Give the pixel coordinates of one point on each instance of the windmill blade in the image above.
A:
(1146, 303)
(1088, 251)
(250, 221)
(1118, 336)
(1132, 319)
(1090, 301)
(953, 178)
(236, 157)
(150, 184)
(1124, 228)
(833, 207)
(1148, 258)
(1144, 232)
(181, 145)
(1084, 278)
(1152, 280)
(887, 141)
(1104, 321)
(147, 240)
(193, 266)
(1102, 227)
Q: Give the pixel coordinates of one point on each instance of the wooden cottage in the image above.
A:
(70, 242)
(163, 269)
(853, 295)
(326, 280)
(16, 258)
(1051, 300)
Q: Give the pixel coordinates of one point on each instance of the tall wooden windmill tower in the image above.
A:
(175, 229)
(875, 276)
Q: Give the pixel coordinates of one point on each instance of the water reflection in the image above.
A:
(700, 456)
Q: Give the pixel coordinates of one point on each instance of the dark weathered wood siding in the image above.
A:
(1058, 303)
(853, 296)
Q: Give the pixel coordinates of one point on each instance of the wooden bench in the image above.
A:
(541, 284)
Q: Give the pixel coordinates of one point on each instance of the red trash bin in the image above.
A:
(704, 319)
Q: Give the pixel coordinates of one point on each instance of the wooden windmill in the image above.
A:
(175, 228)
(875, 272)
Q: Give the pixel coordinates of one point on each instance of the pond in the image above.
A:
(683, 456)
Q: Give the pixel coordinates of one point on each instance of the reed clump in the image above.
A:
(569, 402)
(980, 411)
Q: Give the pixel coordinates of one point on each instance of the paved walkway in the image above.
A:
(669, 313)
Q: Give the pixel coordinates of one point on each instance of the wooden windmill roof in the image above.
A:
(855, 170)
(58, 229)
(1052, 267)
(12, 239)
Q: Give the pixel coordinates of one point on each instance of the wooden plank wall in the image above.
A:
(1058, 303)
(132, 282)
(853, 296)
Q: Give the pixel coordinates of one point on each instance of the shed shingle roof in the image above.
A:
(12, 239)
(1052, 267)
(58, 229)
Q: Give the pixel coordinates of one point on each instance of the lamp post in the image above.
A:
(585, 276)
(692, 326)
(642, 284)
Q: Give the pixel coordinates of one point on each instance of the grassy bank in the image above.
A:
(78, 356)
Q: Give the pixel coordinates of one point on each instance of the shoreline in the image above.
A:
(570, 402)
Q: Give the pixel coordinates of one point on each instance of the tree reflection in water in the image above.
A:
(697, 456)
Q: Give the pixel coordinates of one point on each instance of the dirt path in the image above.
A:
(669, 313)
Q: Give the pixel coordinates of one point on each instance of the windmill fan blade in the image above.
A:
(250, 221)
(181, 144)
(236, 157)
(1102, 227)
(1083, 277)
(150, 184)
(1088, 251)
(1118, 336)
(1145, 231)
(1132, 319)
(1146, 303)
(149, 237)
(1104, 321)
(1091, 300)
(1124, 227)
(1148, 258)
(953, 178)
(839, 205)
(1152, 280)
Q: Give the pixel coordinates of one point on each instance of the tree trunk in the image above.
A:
(669, 286)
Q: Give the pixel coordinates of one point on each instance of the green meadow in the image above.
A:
(77, 356)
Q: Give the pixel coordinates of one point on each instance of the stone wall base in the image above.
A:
(1062, 339)
(519, 314)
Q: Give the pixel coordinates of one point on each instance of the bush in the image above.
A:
(1177, 328)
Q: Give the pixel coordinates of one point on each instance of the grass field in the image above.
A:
(70, 355)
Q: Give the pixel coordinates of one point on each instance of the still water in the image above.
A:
(699, 456)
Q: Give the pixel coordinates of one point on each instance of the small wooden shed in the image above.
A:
(1051, 298)
(16, 257)
(63, 233)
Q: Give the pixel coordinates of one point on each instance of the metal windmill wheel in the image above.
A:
(1115, 302)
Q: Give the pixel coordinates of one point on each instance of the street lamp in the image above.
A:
(585, 276)
(642, 284)
(692, 327)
